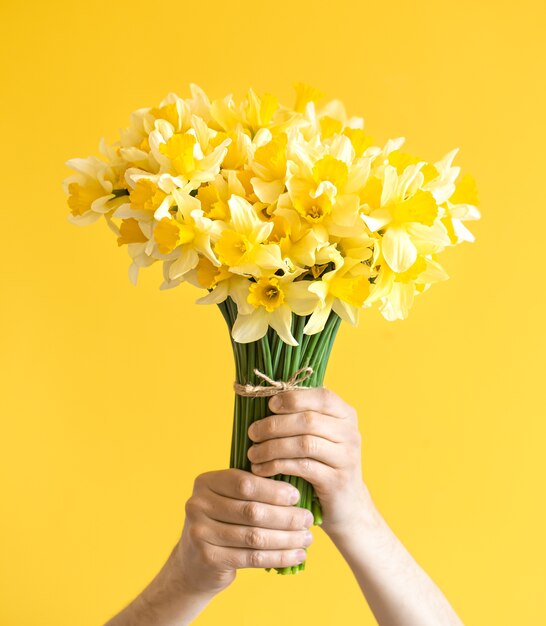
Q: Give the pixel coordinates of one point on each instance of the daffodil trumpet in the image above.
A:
(279, 361)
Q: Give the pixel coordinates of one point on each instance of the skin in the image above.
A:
(237, 519)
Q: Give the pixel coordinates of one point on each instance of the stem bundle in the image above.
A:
(279, 361)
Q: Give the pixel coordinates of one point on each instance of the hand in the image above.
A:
(237, 520)
(315, 435)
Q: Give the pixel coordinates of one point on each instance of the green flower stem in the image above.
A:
(279, 361)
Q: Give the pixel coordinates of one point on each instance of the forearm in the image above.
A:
(166, 601)
(397, 589)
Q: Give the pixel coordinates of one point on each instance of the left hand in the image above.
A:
(314, 434)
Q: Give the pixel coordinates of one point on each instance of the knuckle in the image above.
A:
(305, 466)
(309, 419)
(308, 444)
(210, 554)
(295, 521)
(256, 558)
(254, 538)
(246, 487)
(325, 394)
(252, 512)
(192, 507)
(199, 479)
(196, 533)
(271, 425)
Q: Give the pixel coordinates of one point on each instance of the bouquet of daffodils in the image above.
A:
(290, 219)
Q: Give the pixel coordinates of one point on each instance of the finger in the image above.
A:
(237, 536)
(238, 558)
(301, 446)
(302, 423)
(251, 513)
(237, 483)
(316, 399)
(315, 472)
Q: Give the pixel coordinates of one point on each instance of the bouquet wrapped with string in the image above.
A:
(289, 218)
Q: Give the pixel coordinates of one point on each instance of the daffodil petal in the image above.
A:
(281, 320)
(250, 327)
(398, 249)
(187, 260)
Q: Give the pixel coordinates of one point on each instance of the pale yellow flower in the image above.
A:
(188, 157)
(408, 215)
(95, 189)
(187, 234)
(343, 289)
(273, 299)
(396, 292)
(242, 245)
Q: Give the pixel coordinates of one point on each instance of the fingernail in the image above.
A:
(294, 496)
(301, 555)
(275, 403)
(308, 538)
(309, 518)
(251, 431)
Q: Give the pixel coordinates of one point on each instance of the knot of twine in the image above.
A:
(275, 386)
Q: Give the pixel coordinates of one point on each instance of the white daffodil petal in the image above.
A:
(267, 191)
(358, 175)
(217, 295)
(299, 298)
(390, 180)
(346, 311)
(399, 302)
(187, 260)
(462, 232)
(433, 273)
(243, 216)
(239, 294)
(318, 318)
(281, 320)
(250, 327)
(342, 149)
(398, 249)
(377, 219)
(345, 210)
(428, 239)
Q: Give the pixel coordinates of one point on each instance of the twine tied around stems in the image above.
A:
(275, 386)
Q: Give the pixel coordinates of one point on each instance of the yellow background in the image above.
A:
(106, 411)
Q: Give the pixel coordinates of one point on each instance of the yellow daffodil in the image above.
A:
(95, 189)
(343, 289)
(188, 234)
(322, 186)
(187, 156)
(408, 215)
(269, 166)
(460, 207)
(241, 245)
(396, 292)
(273, 299)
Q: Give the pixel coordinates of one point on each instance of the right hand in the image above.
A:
(234, 520)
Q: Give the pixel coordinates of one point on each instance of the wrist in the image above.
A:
(169, 599)
(363, 520)
(187, 580)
